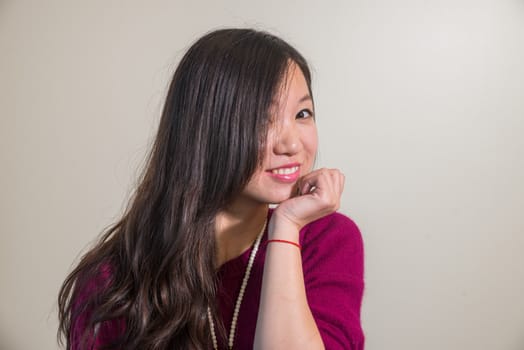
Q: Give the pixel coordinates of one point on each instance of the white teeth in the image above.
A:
(285, 171)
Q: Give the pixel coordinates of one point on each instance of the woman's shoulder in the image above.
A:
(334, 220)
(333, 229)
(333, 267)
(93, 281)
(85, 329)
(88, 288)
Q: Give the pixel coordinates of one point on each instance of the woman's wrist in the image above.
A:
(283, 229)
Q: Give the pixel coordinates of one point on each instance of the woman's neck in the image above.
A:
(236, 229)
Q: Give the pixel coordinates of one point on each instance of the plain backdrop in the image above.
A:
(419, 103)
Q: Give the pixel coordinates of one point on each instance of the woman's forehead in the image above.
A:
(293, 88)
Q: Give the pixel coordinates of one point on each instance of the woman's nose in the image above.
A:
(287, 140)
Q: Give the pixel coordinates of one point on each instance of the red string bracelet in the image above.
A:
(284, 241)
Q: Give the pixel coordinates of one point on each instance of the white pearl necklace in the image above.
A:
(239, 297)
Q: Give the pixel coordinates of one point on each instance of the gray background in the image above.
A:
(420, 103)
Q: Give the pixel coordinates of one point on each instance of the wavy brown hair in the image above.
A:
(152, 274)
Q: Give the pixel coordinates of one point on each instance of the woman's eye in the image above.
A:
(305, 113)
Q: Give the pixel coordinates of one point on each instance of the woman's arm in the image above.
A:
(285, 320)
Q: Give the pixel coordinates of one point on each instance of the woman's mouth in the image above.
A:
(288, 174)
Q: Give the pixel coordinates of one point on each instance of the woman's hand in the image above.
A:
(318, 195)
(285, 320)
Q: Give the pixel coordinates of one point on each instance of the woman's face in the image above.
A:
(291, 144)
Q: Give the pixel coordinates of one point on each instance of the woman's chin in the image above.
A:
(282, 196)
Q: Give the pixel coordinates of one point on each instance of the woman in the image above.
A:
(199, 261)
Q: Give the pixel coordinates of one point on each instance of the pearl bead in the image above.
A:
(247, 273)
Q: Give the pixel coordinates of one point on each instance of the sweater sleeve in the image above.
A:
(333, 265)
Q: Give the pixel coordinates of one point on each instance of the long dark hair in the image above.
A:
(154, 270)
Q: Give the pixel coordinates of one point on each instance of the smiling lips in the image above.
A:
(288, 173)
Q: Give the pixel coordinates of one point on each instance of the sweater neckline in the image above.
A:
(237, 265)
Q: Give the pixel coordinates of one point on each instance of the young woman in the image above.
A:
(199, 260)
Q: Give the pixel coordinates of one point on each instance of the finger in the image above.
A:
(309, 181)
(338, 180)
(337, 185)
(324, 184)
(305, 187)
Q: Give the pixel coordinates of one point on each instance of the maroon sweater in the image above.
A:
(332, 261)
(333, 265)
